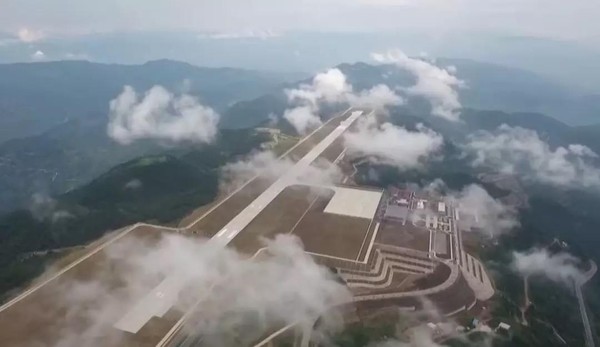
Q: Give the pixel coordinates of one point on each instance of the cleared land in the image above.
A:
(406, 236)
(401, 282)
(280, 216)
(47, 314)
(459, 295)
(441, 244)
(331, 234)
(299, 210)
(61, 303)
(212, 223)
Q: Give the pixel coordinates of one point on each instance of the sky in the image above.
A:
(308, 35)
(559, 19)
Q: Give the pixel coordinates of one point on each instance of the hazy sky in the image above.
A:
(572, 19)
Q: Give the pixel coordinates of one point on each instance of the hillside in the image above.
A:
(59, 142)
(80, 91)
(495, 87)
(488, 87)
(495, 95)
(70, 146)
(160, 188)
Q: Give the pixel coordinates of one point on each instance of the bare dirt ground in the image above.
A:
(48, 310)
(401, 282)
(406, 236)
(331, 234)
(447, 301)
(299, 210)
(42, 316)
(257, 186)
(442, 245)
(280, 216)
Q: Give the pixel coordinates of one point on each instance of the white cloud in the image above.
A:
(302, 118)
(332, 87)
(329, 86)
(43, 207)
(379, 97)
(515, 150)
(38, 55)
(133, 184)
(421, 335)
(246, 296)
(28, 35)
(559, 267)
(392, 145)
(160, 115)
(438, 85)
(244, 34)
(77, 56)
(326, 87)
(492, 217)
(581, 151)
(418, 337)
(265, 164)
(573, 20)
(61, 215)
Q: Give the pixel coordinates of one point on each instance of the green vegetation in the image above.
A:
(80, 90)
(360, 334)
(71, 149)
(554, 314)
(150, 160)
(53, 117)
(567, 215)
(160, 189)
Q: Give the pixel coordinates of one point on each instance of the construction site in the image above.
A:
(391, 248)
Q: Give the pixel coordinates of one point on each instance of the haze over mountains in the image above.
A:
(332, 173)
(59, 141)
(55, 115)
(79, 90)
(309, 52)
(129, 152)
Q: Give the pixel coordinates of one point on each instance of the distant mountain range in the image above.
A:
(53, 117)
(573, 63)
(40, 96)
(488, 87)
(84, 184)
(89, 184)
(60, 142)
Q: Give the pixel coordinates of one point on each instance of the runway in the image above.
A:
(239, 222)
(155, 302)
(25, 324)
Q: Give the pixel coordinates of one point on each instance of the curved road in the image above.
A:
(589, 337)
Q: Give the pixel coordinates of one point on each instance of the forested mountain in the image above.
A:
(75, 95)
(487, 87)
(53, 117)
(159, 188)
(163, 184)
(37, 97)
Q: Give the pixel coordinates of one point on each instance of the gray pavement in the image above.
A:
(589, 337)
(245, 217)
(239, 222)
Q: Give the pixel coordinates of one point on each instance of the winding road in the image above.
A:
(589, 337)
